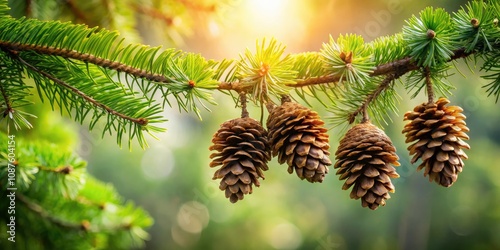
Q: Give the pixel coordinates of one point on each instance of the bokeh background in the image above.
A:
(173, 182)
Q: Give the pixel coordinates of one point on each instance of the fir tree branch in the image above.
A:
(72, 54)
(140, 121)
(398, 67)
(83, 226)
(40, 211)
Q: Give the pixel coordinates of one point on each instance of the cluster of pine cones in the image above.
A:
(365, 157)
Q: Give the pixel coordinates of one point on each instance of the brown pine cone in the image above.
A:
(364, 159)
(439, 132)
(297, 136)
(243, 151)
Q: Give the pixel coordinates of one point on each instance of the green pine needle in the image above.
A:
(266, 71)
(349, 58)
(430, 38)
(476, 24)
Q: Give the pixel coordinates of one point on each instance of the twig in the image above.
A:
(372, 96)
(140, 121)
(428, 84)
(243, 101)
(315, 81)
(62, 169)
(386, 83)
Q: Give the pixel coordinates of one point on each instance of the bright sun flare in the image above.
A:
(269, 17)
(267, 8)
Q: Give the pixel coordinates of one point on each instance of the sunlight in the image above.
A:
(267, 8)
(268, 16)
(277, 18)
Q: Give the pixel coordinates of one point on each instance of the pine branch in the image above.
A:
(429, 40)
(399, 67)
(83, 226)
(140, 121)
(41, 212)
(85, 57)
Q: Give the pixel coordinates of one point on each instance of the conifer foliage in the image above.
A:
(95, 76)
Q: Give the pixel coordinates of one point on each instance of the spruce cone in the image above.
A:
(298, 137)
(243, 151)
(365, 156)
(439, 132)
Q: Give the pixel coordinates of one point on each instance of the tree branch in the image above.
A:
(398, 67)
(141, 121)
(40, 211)
(72, 54)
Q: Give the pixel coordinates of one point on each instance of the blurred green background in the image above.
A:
(173, 182)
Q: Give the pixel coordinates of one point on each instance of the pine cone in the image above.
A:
(439, 132)
(298, 137)
(243, 151)
(364, 159)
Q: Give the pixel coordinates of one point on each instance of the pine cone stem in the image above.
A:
(428, 83)
(243, 102)
(285, 98)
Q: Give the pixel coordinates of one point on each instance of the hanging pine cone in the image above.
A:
(439, 132)
(243, 151)
(298, 137)
(364, 159)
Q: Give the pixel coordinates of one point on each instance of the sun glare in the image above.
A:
(267, 8)
(272, 17)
